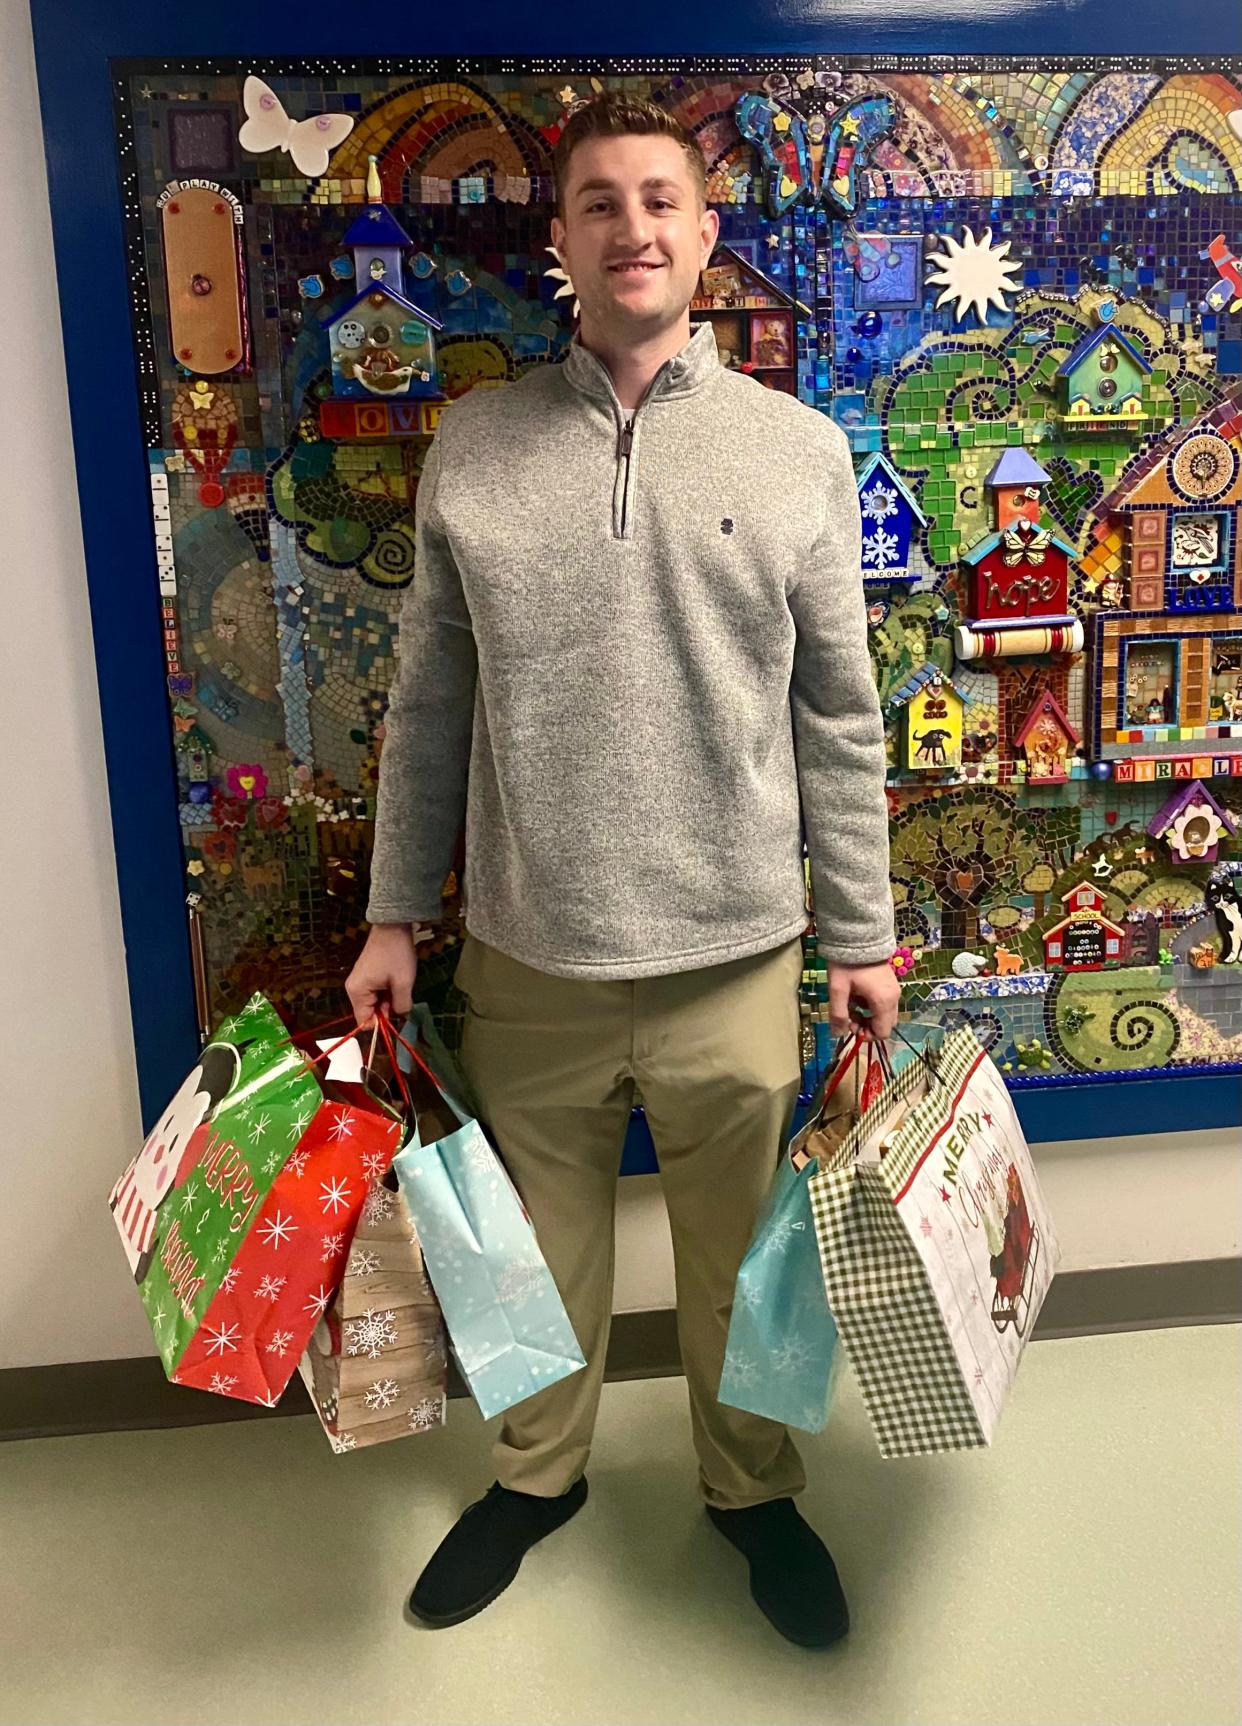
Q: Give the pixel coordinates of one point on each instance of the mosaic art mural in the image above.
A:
(1018, 290)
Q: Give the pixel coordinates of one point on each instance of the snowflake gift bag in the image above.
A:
(377, 1364)
(510, 1333)
(238, 1210)
(783, 1356)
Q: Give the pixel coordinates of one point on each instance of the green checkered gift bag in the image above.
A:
(937, 1250)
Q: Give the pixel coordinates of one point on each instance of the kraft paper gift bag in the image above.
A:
(238, 1210)
(508, 1327)
(783, 1356)
(377, 1363)
(937, 1250)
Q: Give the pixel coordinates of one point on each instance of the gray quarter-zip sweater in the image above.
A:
(634, 657)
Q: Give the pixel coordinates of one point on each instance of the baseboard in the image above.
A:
(133, 1395)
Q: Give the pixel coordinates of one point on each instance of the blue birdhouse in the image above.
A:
(382, 344)
(889, 518)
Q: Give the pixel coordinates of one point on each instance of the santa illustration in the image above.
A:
(170, 1152)
(1014, 1248)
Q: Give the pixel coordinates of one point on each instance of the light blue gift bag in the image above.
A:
(508, 1327)
(783, 1357)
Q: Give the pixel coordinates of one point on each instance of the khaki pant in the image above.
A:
(555, 1063)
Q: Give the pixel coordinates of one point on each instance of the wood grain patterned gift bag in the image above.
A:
(377, 1364)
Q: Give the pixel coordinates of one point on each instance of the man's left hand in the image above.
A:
(875, 987)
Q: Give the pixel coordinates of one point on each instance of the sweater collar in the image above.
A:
(688, 370)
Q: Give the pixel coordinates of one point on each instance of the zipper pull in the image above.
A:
(627, 437)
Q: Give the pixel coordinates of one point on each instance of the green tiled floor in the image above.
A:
(1085, 1569)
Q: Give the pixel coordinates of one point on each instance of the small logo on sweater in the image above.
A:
(726, 525)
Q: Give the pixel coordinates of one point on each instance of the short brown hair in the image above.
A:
(617, 115)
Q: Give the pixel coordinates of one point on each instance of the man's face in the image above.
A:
(631, 200)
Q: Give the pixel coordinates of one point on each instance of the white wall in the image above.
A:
(68, 1088)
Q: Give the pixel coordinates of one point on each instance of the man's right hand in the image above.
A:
(382, 981)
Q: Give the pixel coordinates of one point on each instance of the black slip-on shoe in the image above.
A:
(483, 1551)
(793, 1580)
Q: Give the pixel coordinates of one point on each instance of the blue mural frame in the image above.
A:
(75, 42)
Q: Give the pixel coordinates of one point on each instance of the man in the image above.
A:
(634, 658)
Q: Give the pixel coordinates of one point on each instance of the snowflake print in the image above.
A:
(271, 1162)
(363, 1262)
(228, 1282)
(223, 1337)
(189, 1198)
(479, 1156)
(226, 1030)
(880, 502)
(253, 1007)
(297, 1161)
(334, 1196)
(778, 1234)
(222, 1383)
(342, 1126)
(743, 1369)
(342, 1441)
(279, 1342)
(750, 1296)
(259, 1127)
(277, 1229)
(379, 1205)
(333, 1246)
(317, 1301)
(426, 1414)
(880, 548)
(383, 1393)
(221, 1252)
(370, 1334)
(300, 1121)
(373, 1164)
(517, 1284)
(268, 1401)
(244, 1109)
(793, 1354)
(269, 1288)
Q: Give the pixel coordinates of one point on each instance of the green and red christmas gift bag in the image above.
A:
(239, 1209)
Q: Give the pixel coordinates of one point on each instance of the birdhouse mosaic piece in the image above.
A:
(1193, 825)
(752, 318)
(1018, 575)
(1045, 739)
(932, 706)
(1102, 378)
(890, 520)
(382, 343)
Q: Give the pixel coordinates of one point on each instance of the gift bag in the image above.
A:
(377, 1365)
(506, 1322)
(783, 1356)
(937, 1250)
(238, 1210)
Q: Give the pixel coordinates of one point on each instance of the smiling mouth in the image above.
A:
(633, 269)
